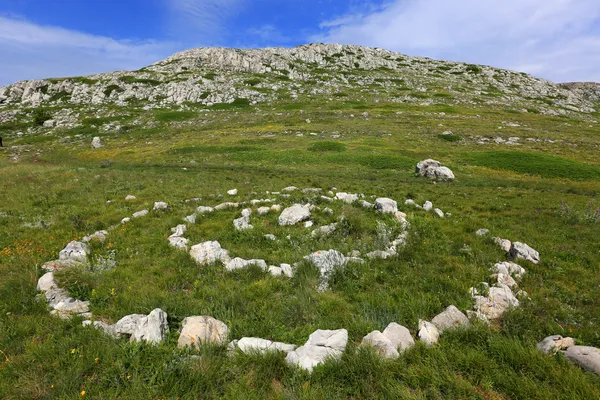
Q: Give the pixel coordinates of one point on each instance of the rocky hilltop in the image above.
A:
(210, 76)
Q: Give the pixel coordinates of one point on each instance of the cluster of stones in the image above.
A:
(327, 261)
(586, 357)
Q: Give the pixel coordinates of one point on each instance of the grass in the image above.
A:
(542, 193)
(544, 165)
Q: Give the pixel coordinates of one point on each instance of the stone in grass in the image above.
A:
(160, 206)
(586, 357)
(250, 345)
(555, 343)
(428, 206)
(99, 236)
(199, 330)
(232, 192)
(386, 206)
(204, 210)
(140, 214)
(179, 242)
(294, 214)
(450, 318)
(130, 197)
(508, 268)
(428, 333)
(190, 219)
(504, 244)
(321, 346)
(75, 252)
(438, 212)
(525, 252)
(209, 253)
(46, 282)
(96, 142)
(152, 329)
(391, 342)
(348, 198)
(482, 232)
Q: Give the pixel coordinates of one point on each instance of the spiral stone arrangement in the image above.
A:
(490, 302)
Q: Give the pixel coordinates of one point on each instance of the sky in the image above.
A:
(553, 39)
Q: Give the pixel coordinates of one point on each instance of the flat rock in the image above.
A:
(130, 197)
(232, 192)
(321, 346)
(204, 210)
(99, 236)
(294, 214)
(249, 345)
(202, 330)
(348, 198)
(450, 318)
(226, 205)
(72, 306)
(525, 252)
(139, 214)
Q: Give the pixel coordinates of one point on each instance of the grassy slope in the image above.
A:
(516, 193)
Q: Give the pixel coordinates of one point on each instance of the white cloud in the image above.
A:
(556, 39)
(269, 34)
(202, 20)
(32, 51)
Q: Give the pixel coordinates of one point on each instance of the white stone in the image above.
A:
(263, 210)
(75, 251)
(179, 230)
(204, 210)
(523, 251)
(178, 242)
(99, 236)
(428, 206)
(586, 357)
(226, 205)
(209, 253)
(346, 197)
(294, 214)
(96, 142)
(553, 344)
(450, 318)
(324, 230)
(287, 270)
(46, 282)
(508, 268)
(125, 220)
(381, 344)
(428, 333)
(160, 205)
(202, 330)
(248, 345)
(399, 336)
(321, 346)
(72, 306)
(190, 219)
(232, 192)
(126, 325)
(482, 232)
(385, 205)
(500, 298)
(270, 236)
(275, 271)
(438, 212)
(504, 244)
(152, 329)
(139, 214)
(130, 197)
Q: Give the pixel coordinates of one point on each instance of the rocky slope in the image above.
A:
(209, 76)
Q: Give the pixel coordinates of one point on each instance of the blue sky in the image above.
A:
(553, 39)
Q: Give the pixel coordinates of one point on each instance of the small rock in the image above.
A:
(209, 253)
(482, 232)
(130, 197)
(232, 192)
(385, 205)
(139, 214)
(152, 329)
(294, 214)
(428, 333)
(75, 252)
(450, 318)
(202, 330)
(428, 206)
(587, 357)
(523, 251)
(160, 205)
(553, 344)
(96, 142)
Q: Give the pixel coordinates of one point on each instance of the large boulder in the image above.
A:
(202, 330)
(450, 318)
(209, 253)
(321, 345)
(587, 357)
(152, 329)
(523, 251)
(294, 214)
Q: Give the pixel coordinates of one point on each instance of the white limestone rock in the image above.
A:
(97, 142)
(428, 206)
(263, 210)
(140, 214)
(204, 210)
(160, 206)
(325, 230)
(99, 236)
(190, 219)
(508, 268)
(482, 232)
(179, 242)
(348, 198)
(130, 197)
(321, 346)
(232, 192)
(450, 318)
(46, 282)
(553, 344)
(75, 252)
(327, 261)
(225, 206)
(294, 214)
(586, 357)
(381, 344)
(520, 250)
(209, 253)
(504, 244)
(199, 330)
(428, 333)
(438, 212)
(152, 329)
(250, 345)
(179, 230)
(499, 299)
(386, 206)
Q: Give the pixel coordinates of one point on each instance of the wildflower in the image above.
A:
(82, 393)
(97, 360)
(73, 351)
(52, 386)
